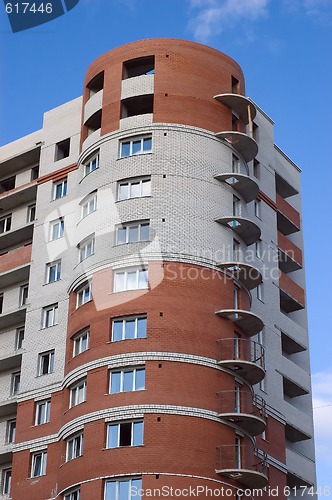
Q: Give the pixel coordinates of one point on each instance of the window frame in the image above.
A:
(74, 391)
(86, 202)
(133, 181)
(83, 247)
(15, 387)
(136, 139)
(117, 487)
(76, 442)
(90, 162)
(31, 213)
(61, 231)
(43, 456)
(124, 320)
(122, 381)
(63, 184)
(258, 208)
(49, 357)
(140, 272)
(77, 341)
(42, 412)
(18, 338)
(7, 221)
(54, 309)
(72, 495)
(118, 432)
(57, 275)
(126, 227)
(81, 297)
(24, 295)
(11, 431)
(6, 481)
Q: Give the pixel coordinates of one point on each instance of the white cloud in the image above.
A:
(210, 17)
(322, 404)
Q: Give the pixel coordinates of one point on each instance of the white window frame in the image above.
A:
(56, 265)
(11, 431)
(15, 388)
(7, 222)
(83, 295)
(43, 459)
(6, 481)
(42, 412)
(77, 393)
(89, 205)
(118, 431)
(53, 310)
(131, 141)
(72, 495)
(260, 292)
(31, 213)
(258, 208)
(140, 284)
(134, 181)
(57, 229)
(86, 248)
(19, 338)
(124, 321)
(63, 184)
(47, 357)
(122, 372)
(78, 342)
(235, 164)
(130, 488)
(126, 227)
(91, 164)
(74, 446)
(258, 249)
(24, 291)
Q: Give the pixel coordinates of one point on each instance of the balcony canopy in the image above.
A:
(246, 146)
(249, 322)
(245, 228)
(248, 275)
(240, 104)
(243, 184)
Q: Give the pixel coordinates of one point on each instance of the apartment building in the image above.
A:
(153, 327)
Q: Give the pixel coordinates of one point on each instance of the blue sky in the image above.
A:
(284, 49)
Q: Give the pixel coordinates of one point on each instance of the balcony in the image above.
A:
(244, 357)
(20, 195)
(248, 275)
(288, 219)
(243, 409)
(21, 161)
(247, 321)
(16, 236)
(244, 464)
(13, 360)
(284, 188)
(12, 318)
(137, 85)
(294, 434)
(15, 266)
(292, 389)
(245, 146)
(291, 295)
(241, 183)
(290, 256)
(240, 104)
(93, 105)
(242, 227)
(8, 406)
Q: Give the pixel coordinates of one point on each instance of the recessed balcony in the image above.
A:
(291, 294)
(242, 227)
(16, 236)
(288, 219)
(240, 104)
(247, 321)
(294, 434)
(241, 183)
(12, 318)
(248, 275)
(243, 409)
(244, 357)
(292, 389)
(246, 146)
(18, 196)
(15, 266)
(244, 464)
(290, 256)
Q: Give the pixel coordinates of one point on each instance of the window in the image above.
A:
(16, 379)
(5, 223)
(129, 328)
(62, 150)
(72, 495)
(57, 229)
(38, 463)
(43, 412)
(74, 447)
(138, 66)
(53, 271)
(133, 232)
(86, 248)
(238, 453)
(124, 489)
(134, 188)
(46, 363)
(7, 184)
(19, 338)
(259, 292)
(34, 173)
(235, 85)
(91, 164)
(125, 434)
(235, 164)
(255, 128)
(236, 251)
(235, 122)
(90, 205)
(236, 206)
(81, 342)
(127, 380)
(138, 105)
(31, 215)
(130, 280)
(135, 146)
(237, 399)
(24, 295)
(84, 295)
(257, 205)
(6, 481)
(1, 303)
(50, 315)
(258, 249)
(78, 393)
(257, 169)
(236, 292)
(11, 431)
(59, 189)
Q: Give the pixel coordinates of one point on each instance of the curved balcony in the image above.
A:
(93, 105)
(247, 321)
(244, 357)
(246, 146)
(245, 228)
(248, 275)
(240, 104)
(244, 464)
(244, 409)
(243, 184)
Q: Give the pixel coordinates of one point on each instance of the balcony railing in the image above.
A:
(244, 464)
(244, 356)
(243, 408)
